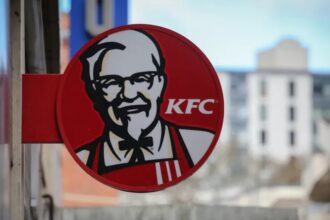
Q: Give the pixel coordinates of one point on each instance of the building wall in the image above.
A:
(226, 128)
(238, 108)
(281, 89)
(321, 94)
(276, 123)
(324, 135)
(287, 55)
(235, 118)
(175, 212)
(321, 107)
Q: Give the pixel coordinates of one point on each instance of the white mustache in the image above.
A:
(137, 101)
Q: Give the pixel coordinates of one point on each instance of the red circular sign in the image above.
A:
(140, 108)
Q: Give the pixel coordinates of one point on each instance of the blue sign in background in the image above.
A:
(78, 34)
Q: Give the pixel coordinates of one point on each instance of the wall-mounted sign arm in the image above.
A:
(39, 124)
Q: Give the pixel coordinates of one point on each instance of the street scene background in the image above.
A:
(272, 160)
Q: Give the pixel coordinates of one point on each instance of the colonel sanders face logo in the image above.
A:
(125, 78)
(144, 124)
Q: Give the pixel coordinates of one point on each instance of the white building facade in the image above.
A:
(226, 128)
(279, 103)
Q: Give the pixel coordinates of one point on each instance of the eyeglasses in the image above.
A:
(115, 80)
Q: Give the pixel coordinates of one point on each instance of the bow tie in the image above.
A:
(136, 146)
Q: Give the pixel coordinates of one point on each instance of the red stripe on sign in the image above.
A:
(164, 171)
(172, 168)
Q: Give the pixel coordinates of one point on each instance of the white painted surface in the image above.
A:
(225, 136)
(278, 66)
(277, 123)
(197, 142)
(169, 175)
(177, 168)
(287, 55)
(83, 156)
(159, 173)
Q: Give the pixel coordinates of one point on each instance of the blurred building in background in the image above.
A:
(321, 111)
(225, 132)
(280, 103)
(274, 149)
(277, 124)
(239, 114)
(279, 111)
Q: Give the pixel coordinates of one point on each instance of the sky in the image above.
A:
(3, 35)
(231, 33)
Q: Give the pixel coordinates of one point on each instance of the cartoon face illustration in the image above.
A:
(125, 76)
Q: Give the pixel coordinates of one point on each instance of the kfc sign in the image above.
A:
(140, 108)
(174, 105)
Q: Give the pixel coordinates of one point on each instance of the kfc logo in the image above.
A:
(140, 139)
(175, 106)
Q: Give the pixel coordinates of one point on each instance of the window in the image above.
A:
(263, 113)
(292, 113)
(318, 89)
(315, 129)
(292, 138)
(263, 137)
(291, 89)
(263, 87)
(326, 90)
